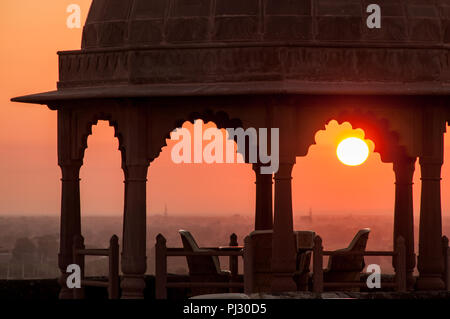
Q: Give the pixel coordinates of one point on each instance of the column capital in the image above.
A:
(70, 172)
(284, 171)
(136, 172)
(402, 160)
(431, 160)
(430, 170)
(68, 166)
(261, 178)
(404, 168)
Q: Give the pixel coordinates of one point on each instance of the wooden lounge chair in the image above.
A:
(347, 267)
(203, 268)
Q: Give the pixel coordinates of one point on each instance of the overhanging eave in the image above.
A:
(245, 88)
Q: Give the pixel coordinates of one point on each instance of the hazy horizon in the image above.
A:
(42, 235)
(296, 214)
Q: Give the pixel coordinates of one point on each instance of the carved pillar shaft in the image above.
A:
(263, 205)
(403, 212)
(70, 221)
(431, 260)
(134, 260)
(283, 246)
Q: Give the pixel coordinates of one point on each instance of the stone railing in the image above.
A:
(112, 252)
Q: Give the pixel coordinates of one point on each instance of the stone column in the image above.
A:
(134, 260)
(283, 246)
(263, 206)
(431, 260)
(70, 220)
(403, 212)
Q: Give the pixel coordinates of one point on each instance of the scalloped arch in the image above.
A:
(93, 120)
(220, 118)
(378, 129)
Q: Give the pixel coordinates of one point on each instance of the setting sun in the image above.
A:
(352, 151)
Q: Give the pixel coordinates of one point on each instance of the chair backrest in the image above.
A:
(198, 265)
(359, 242)
(351, 262)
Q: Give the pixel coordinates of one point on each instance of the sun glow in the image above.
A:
(352, 151)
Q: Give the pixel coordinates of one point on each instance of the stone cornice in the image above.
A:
(268, 63)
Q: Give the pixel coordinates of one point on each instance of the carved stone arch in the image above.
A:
(86, 119)
(162, 127)
(379, 130)
(377, 127)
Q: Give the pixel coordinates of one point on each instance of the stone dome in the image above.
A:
(118, 23)
(148, 48)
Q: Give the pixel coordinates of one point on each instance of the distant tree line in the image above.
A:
(31, 258)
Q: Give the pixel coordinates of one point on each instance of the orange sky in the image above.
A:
(30, 34)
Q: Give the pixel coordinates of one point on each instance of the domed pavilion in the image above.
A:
(147, 66)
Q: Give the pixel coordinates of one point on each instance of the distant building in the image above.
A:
(307, 218)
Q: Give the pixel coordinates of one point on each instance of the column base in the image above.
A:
(132, 287)
(410, 281)
(65, 293)
(430, 282)
(282, 282)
